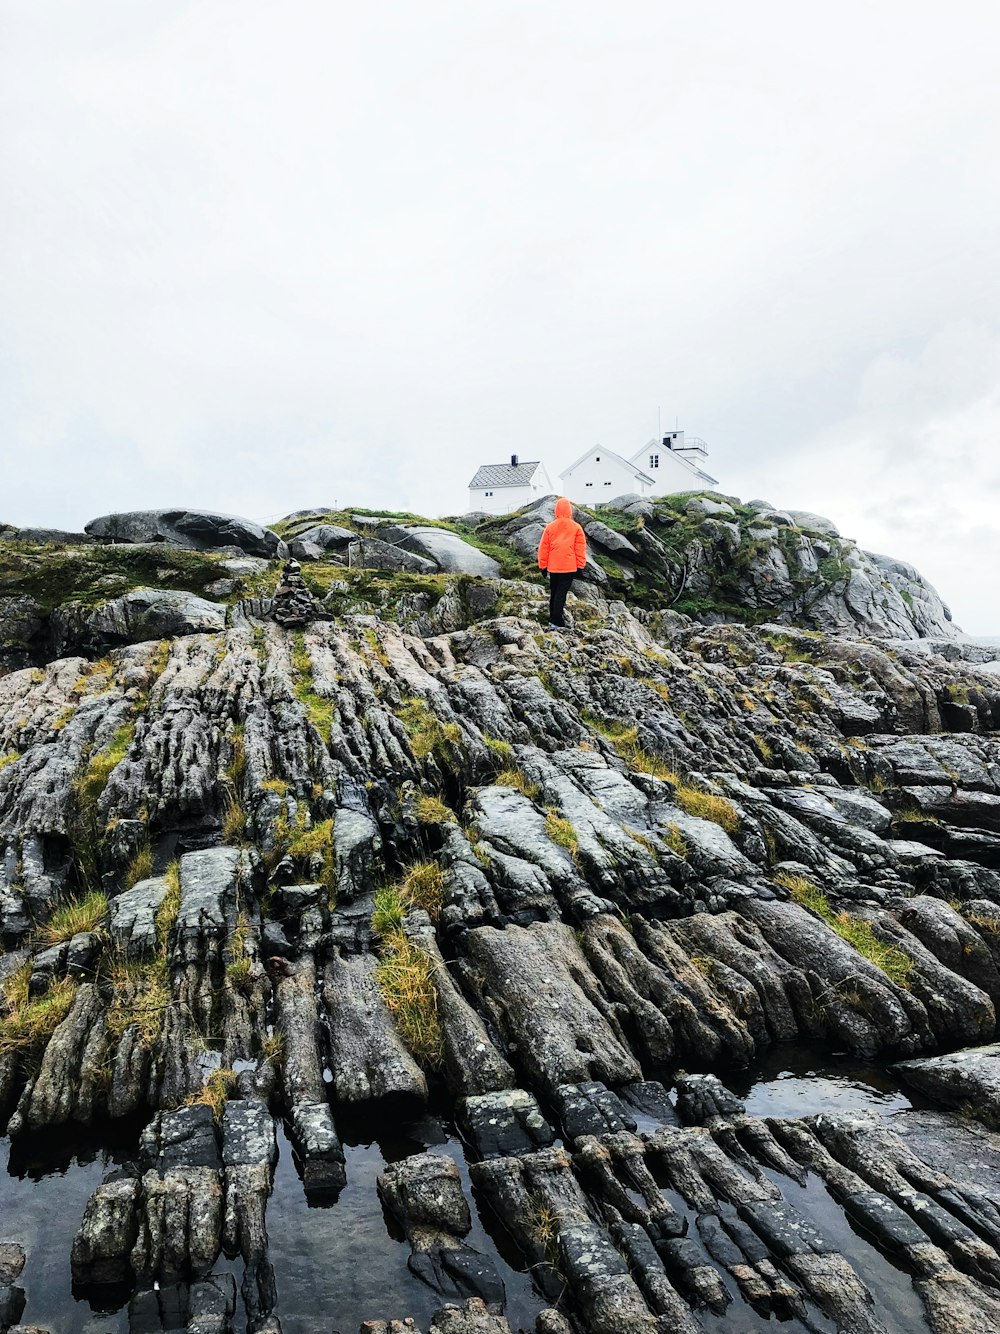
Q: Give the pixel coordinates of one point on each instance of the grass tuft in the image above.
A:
(625, 740)
(389, 910)
(432, 810)
(676, 842)
(316, 841)
(857, 931)
(91, 783)
(405, 977)
(503, 750)
(234, 822)
(272, 1047)
(561, 831)
(707, 806)
(217, 1089)
(140, 995)
(643, 842)
(29, 1022)
(9, 758)
(515, 778)
(320, 709)
(166, 914)
(140, 867)
(426, 733)
(423, 886)
(72, 917)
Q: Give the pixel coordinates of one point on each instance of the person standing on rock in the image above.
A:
(562, 554)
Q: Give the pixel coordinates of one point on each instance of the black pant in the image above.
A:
(559, 586)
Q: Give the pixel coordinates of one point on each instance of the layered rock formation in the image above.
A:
(372, 843)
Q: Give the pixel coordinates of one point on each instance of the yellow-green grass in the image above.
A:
(166, 914)
(28, 1022)
(320, 709)
(676, 842)
(239, 968)
(315, 841)
(707, 806)
(219, 1087)
(625, 740)
(516, 779)
(140, 988)
(140, 867)
(432, 810)
(140, 994)
(503, 750)
(86, 913)
(425, 731)
(857, 931)
(91, 783)
(561, 831)
(405, 978)
(234, 822)
(388, 910)
(423, 886)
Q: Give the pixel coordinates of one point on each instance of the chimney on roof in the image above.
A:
(513, 460)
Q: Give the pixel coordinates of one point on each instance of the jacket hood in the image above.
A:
(564, 510)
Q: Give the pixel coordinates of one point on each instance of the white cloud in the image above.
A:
(256, 257)
(915, 470)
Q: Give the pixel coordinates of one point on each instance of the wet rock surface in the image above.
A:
(406, 925)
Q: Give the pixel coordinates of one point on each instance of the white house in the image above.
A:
(661, 468)
(501, 488)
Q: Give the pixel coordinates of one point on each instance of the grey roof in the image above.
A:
(502, 474)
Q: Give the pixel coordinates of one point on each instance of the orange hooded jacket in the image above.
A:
(563, 548)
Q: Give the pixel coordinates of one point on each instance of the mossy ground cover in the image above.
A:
(484, 537)
(320, 709)
(53, 575)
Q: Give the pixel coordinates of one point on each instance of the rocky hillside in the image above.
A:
(344, 851)
(135, 576)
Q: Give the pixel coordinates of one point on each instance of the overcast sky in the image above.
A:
(256, 257)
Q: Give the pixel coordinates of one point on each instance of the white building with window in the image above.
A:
(501, 488)
(661, 468)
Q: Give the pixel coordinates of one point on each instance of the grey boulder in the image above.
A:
(806, 519)
(198, 530)
(327, 535)
(306, 550)
(155, 613)
(449, 552)
(54, 536)
(630, 503)
(369, 553)
(967, 1079)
